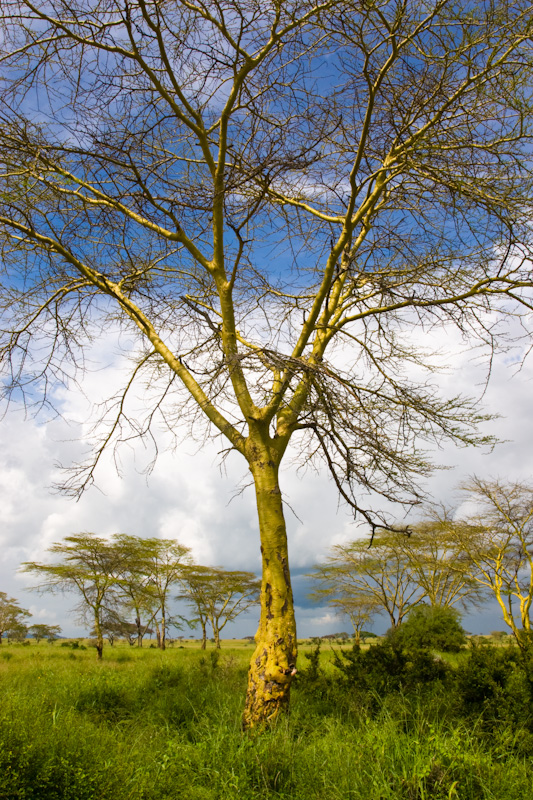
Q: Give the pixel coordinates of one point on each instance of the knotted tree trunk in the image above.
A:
(273, 663)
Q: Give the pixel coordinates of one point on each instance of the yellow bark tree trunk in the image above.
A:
(273, 663)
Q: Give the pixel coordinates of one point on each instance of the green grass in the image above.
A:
(154, 726)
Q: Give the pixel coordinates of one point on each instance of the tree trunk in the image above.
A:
(139, 631)
(216, 633)
(163, 634)
(204, 636)
(273, 663)
(99, 636)
(159, 635)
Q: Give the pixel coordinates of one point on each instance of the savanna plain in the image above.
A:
(368, 724)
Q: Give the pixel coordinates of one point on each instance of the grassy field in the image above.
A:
(152, 725)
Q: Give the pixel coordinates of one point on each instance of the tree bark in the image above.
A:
(273, 663)
(163, 634)
(99, 636)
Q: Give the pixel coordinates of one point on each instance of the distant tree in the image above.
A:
(219, 596)
(380, 576)
(18, 632)
(499, 636)
(195, 582)
(396, 573)
(437, 565)
(40, 631)
(368, 635)
(497, 540)
(359, 607)
(135, 582)
(113, 627)
(430, 626)
(161, 563)
(87, 566)
(360, 610)
(342, 636)
(11, 614)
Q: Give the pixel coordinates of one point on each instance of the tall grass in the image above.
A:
(154, 726)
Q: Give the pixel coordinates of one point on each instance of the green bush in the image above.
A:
(386, 668)
(430, 627)
(492, 684)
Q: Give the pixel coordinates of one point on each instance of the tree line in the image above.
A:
(125, 587)
(452, 558)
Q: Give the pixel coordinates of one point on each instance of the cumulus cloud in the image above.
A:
(47, 615)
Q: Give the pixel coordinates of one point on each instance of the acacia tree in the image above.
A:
(439, 566)
(195, 582)
(41, 631)
(219, 596)
(113, 626)
(359, 608)
(17, 633)
(399, 571)
(497, 539)
(135, 580)
(173, 168)
(11, 614)
(380, 574)
(162, 563)
(87, 567)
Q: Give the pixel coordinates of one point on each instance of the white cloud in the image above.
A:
(187, 497)
(47, 615)
(327, 619)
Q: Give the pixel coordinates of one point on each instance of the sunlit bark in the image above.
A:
(273, 663)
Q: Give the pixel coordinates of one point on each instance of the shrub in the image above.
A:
(432, 627)
(386, 668)
(493, 683)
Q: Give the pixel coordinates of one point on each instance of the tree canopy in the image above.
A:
(381, 575)
(218, 596)
(86, 565)
(12, 616)
(125, 573)
(42, 631)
